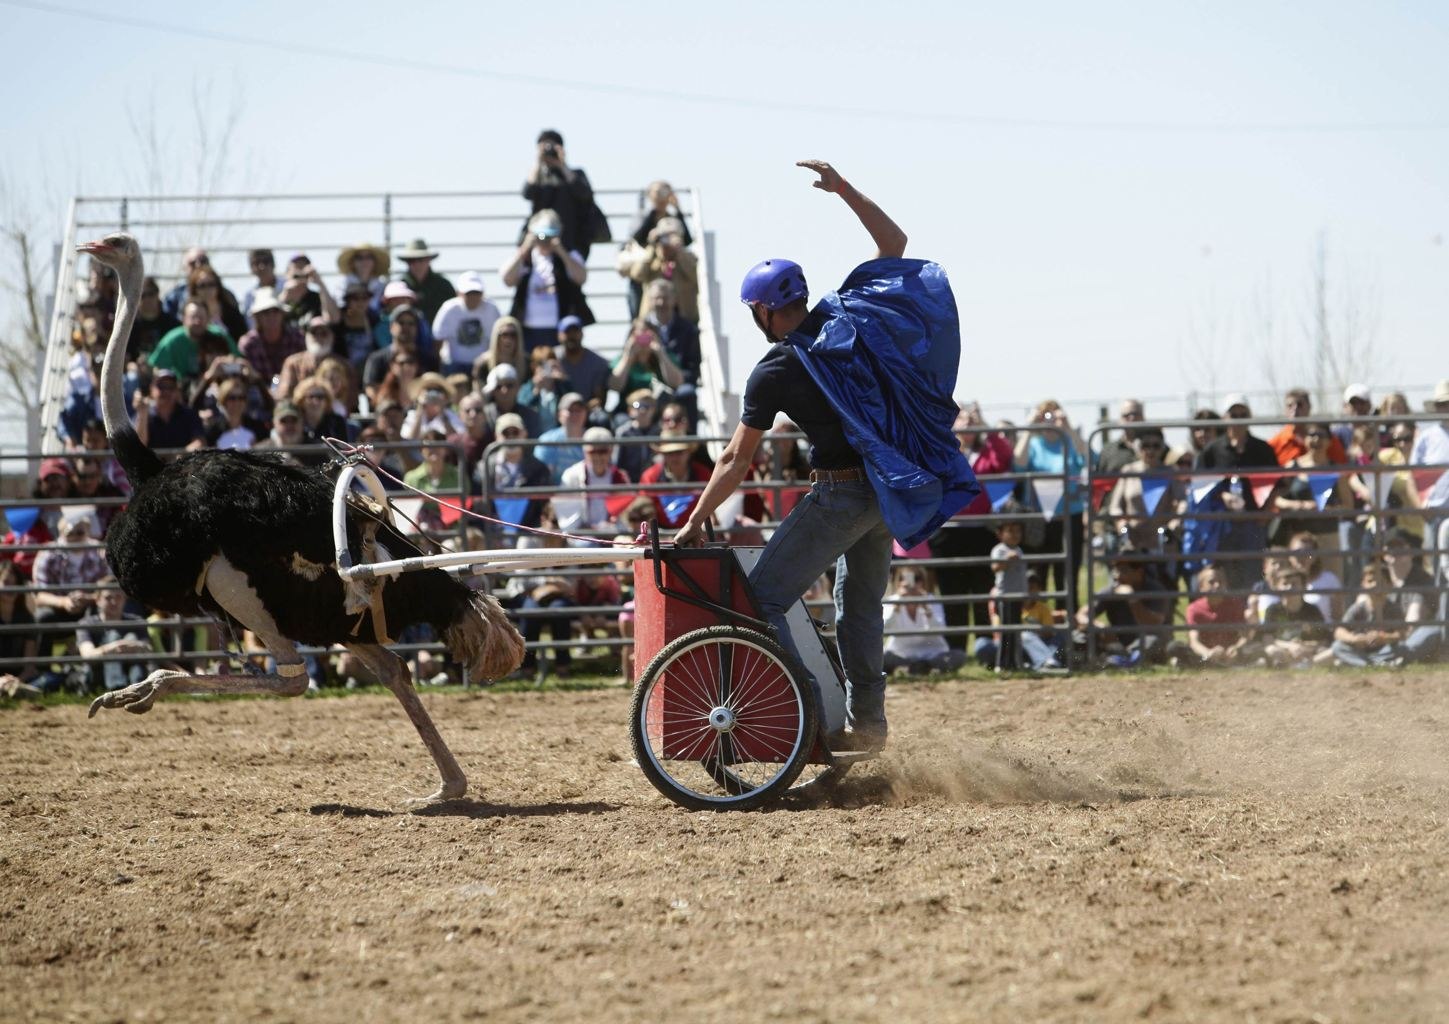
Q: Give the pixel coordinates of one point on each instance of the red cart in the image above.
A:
(721, 719)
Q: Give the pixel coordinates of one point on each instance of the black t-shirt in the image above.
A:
(780, 383)
(1255, 454)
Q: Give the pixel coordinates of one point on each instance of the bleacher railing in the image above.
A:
(471, 230)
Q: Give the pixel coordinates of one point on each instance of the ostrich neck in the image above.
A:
(113, 367)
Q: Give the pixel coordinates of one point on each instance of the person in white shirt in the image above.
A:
(917, 646)
(464, 325)
(584, 502)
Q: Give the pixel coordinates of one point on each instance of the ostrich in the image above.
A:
(248, 537)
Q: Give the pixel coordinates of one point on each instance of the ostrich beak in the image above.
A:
(96, 248)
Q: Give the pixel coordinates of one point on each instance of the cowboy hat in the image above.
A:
(380, 257)
(417, 249)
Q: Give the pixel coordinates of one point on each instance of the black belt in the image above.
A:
(835, 476)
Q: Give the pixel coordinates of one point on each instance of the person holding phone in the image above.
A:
(644, 361)
(883, 465)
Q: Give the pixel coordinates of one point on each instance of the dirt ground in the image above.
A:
(1193, 848)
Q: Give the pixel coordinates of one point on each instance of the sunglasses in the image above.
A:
(1403, 439)
(641, 405)
(513, 432)
(404, 362)
(507, 334)
(235, 398)
(316, 398)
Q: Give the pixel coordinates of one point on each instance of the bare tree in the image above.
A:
(24, 289)
(200, 165)
(1207, 347)
(1336, 341)
(1340, 324)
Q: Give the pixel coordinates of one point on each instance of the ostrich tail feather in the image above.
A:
(484, 639)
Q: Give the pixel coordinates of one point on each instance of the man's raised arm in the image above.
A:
(889, 239)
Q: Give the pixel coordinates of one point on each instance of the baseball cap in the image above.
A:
(285, 409)
(164, 373)
(398, 290)
(569, 323)
(503, 371)
(53, 467)
(570, 400)
(1357, 392)
(598, 435)
(510, 421)
(1236, 398)
(469, 281)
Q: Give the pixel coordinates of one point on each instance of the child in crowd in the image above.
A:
(914, 644)
(1413, 594)
(1042, 644)
(1009, 590)
(1323, 586)
(1217, 634)
(1265, 591)
(1293, 630)
(1372, 627)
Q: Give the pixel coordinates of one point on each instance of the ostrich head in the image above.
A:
(118, 250)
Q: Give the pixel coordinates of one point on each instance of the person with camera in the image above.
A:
(304, 295)
(890, 331)
(547, 277)
(914, 644)
(1055, 448)
(553, 185)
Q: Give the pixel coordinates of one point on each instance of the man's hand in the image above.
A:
(691, 535)
(830, 179)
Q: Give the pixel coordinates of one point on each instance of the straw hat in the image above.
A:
(431, 381)
(346, 256)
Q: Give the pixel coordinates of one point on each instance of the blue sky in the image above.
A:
(1101, 181)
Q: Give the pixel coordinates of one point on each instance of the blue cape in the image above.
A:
(886, 356)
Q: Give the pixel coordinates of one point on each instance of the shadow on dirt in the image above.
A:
(469, 809)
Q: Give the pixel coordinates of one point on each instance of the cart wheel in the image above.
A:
(719, 722)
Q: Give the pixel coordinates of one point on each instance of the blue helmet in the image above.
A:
(774, 283)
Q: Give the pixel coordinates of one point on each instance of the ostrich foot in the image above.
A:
(451, 789)
(138, 697)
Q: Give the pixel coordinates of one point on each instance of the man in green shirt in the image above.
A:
(432, 290)
(179, 348)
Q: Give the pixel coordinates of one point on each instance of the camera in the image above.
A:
(550, 150)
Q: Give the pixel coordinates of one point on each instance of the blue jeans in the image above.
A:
(1422, 644)
(840, 524)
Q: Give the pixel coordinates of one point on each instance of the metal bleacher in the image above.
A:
(470, 230)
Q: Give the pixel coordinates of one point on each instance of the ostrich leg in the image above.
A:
(228, 586)
(393, 672)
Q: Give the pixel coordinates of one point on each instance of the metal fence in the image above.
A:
(1173, 522)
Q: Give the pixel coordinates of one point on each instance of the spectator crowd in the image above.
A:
(1318, 543)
